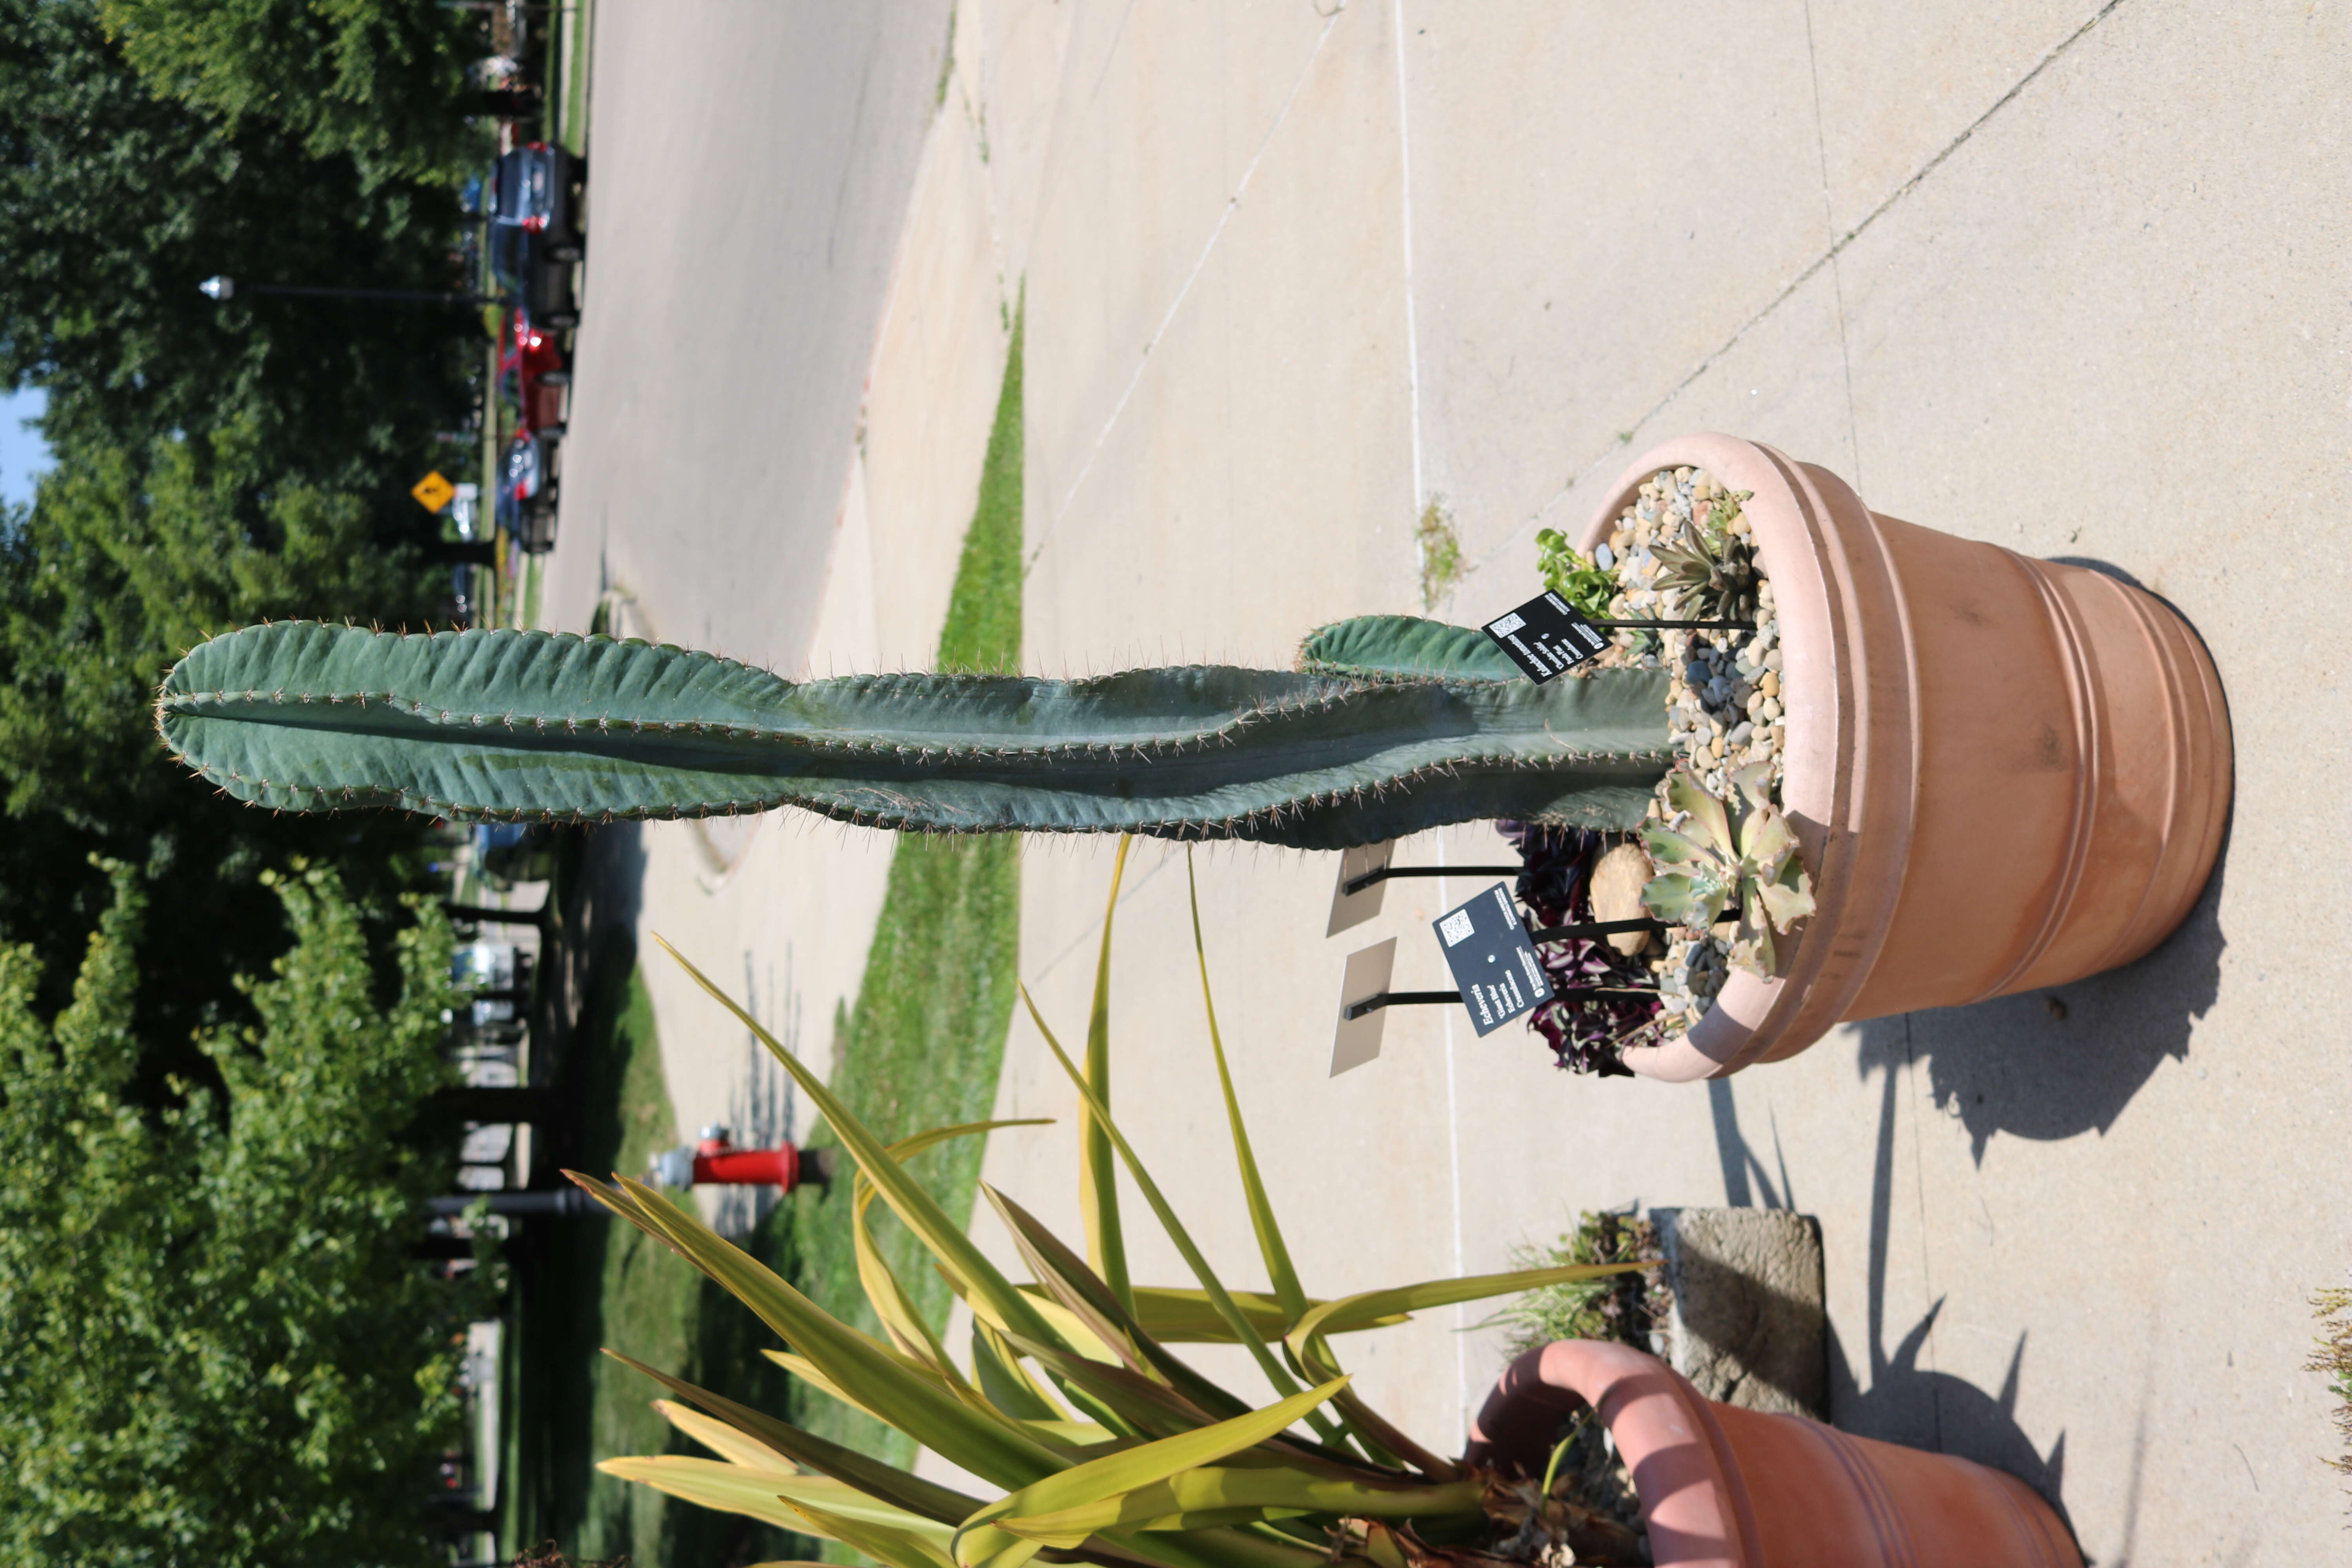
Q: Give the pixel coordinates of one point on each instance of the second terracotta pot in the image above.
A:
(1725, 1487)
(2005, 773)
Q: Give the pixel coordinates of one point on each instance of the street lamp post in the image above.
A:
(223, 288)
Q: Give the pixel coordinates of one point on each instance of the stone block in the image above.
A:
(1747, 1326)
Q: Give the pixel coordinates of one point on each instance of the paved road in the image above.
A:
(751, 163)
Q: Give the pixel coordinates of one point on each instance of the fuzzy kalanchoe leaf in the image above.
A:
(1710, 573)
(1710, 861)
(1395, 726)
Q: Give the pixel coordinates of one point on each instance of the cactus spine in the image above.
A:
(1390, 726)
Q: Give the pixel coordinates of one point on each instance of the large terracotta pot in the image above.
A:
(2005, 773)
(1725, 1487)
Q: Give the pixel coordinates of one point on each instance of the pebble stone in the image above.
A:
(1723, 701)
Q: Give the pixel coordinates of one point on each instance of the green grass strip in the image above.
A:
(924, 1043)
(587, 1283)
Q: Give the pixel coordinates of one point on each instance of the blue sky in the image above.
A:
(23, 453)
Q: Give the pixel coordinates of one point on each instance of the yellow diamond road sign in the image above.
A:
(433, 491)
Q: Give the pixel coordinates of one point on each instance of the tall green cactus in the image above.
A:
(1390, 725)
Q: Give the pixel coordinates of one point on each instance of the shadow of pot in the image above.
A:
(2005, 773)
(1725, 1487)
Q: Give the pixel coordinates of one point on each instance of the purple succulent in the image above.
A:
(1600, 998)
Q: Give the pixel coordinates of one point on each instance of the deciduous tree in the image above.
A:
(214, 1346)
(381, 81)
(128, 556)
(116, 203)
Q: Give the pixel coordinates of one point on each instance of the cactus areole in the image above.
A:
(1390, 725)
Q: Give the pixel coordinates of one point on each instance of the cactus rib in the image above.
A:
(507, 725)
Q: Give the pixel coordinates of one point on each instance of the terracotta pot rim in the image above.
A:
(1684, 1476)
(1722, 1487)
(1820, 651)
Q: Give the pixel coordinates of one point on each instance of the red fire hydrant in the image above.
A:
(716, 1162)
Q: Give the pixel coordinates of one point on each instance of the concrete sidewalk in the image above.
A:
(2068, 277)
(2064, 276)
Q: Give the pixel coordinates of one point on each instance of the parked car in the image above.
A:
(533, 210)
(505, 853)
(498, 973)
(526, 499)
(532, 375)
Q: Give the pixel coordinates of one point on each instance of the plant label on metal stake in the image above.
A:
(1358, 1038)
(1355, 901)
(1486, 944)
(1545, 637)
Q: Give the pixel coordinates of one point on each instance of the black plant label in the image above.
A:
(1486, 944)
(1545, 637)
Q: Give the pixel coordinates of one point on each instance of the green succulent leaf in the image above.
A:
(1193, 1258)
(904, 1391)
(1684, 898)
(893, 1548)
(736, 1448)
(1709, 824)
(1790, 899)
(1175, 1317)
(1212, 1495)
(922, 1213)
(1004, 1382)
(900, 1318)
(1075, 1287)
(1753, 950)
(884, 1483)
(1767, 844)
(1669, 848)
(1309, 1342)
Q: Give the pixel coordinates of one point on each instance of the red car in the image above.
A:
(533, 375)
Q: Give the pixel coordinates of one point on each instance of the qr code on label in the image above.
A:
(1456, 928)
(1506, 626)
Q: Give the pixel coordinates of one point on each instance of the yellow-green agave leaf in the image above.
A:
(1098, 1172)
(1289, 1296)
(1255, 1343)
(998, 1535)
(872, 1477)
(769, 1494)
(909, 1395)
(897, 1548)
(722, 1439)
(939, 1231)
(1223, 1495)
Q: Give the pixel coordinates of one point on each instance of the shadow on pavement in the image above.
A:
(2051, 1063)
(1905, 1403)
(1892, 1397)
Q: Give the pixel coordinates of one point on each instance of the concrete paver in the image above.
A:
(1596, 207)
(1291, 270)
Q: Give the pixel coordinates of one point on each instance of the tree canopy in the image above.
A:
(216, 1347)
(129, 555)
(116, 203)
(213, 464)
(380, 81)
